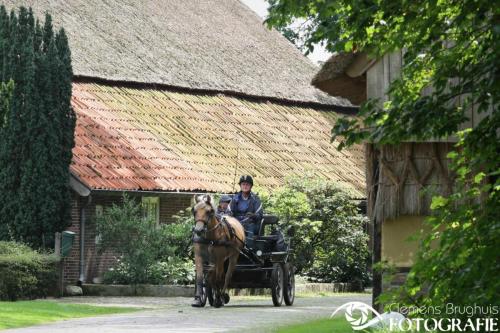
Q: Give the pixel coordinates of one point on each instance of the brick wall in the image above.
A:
(96, 264)
(171, 204)
(71, 263)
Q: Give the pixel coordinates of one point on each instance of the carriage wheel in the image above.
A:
(277, 280)
(289, 285)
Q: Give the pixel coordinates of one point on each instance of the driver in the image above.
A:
(246, 207)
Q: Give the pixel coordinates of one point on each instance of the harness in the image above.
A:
(226, 243)
(214, 242)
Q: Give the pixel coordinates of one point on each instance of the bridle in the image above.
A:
(205, 222)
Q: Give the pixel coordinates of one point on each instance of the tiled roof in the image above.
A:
(152, 139)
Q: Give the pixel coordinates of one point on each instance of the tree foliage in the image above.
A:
(329, 244)
(36, 128)
(453, 47)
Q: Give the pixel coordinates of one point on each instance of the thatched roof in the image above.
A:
(211, 45)
(350, 64)
(334, 67)
(344, 75)
(159, 140)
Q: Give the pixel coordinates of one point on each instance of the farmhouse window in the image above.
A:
(151, 208)
(99, 210)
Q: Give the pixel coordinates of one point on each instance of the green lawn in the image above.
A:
(330, 325)
(326, 325)
(27, 313)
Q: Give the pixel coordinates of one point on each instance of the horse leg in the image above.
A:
(198, 261)
(219, 277)
(233, 260)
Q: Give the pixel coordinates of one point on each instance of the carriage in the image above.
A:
(263, 263)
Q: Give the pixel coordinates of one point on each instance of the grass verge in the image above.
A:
(28, 313)
(330, 325)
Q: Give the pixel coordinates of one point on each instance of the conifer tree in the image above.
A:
(37, 135)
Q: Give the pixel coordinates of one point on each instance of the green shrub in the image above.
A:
(174, 240)
(330, 244)
(25, 273)
(149, 253)
(175, 270)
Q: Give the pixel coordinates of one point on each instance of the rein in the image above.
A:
(216, 226)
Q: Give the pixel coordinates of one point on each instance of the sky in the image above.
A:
(260, 7)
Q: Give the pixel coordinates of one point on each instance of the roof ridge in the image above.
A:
(347, 110)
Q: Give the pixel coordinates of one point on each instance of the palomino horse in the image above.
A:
(225, 238)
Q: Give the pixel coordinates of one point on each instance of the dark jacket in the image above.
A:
(254, 207)
(219, 212)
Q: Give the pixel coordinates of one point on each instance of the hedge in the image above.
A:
(25, 273)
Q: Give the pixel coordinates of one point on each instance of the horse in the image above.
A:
(225, 239)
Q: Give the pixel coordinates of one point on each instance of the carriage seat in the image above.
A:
(267, 220)
(269, 243)
(269, 238)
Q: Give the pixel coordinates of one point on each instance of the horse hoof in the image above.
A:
(226, 298)
(197, 303)
(218, 302)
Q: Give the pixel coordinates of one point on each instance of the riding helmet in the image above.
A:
(246, 179)
(225, 198)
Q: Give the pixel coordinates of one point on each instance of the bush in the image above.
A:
(330, 244)
(25, 273)
(149, 253)
(174, 240)
(172, 271)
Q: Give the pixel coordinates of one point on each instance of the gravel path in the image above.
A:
(176, 315)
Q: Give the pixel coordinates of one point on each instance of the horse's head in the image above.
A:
(203, 212)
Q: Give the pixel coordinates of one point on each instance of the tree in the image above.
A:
(37, 129)
(5, 98)
(329, 244)
(453, 47)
